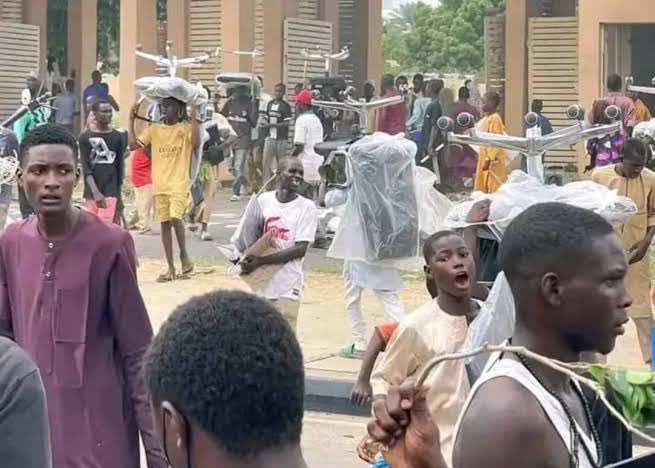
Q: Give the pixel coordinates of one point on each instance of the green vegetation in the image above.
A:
(633, 391)
(446, 38)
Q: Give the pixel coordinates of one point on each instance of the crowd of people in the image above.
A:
(79, 335)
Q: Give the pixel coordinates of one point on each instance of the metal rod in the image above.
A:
(361, 108)
(533, 147)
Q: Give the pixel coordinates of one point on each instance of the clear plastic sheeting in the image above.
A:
(521, 191)
(380, 221)
(433, 206)
(336, 197)
(494, 323)
(250, 227)
(157, 88)
(645, 129)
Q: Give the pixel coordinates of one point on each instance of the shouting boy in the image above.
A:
(437, 328)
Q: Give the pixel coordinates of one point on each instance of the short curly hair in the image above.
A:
(231, 364)
(549, 237)
(48, 134)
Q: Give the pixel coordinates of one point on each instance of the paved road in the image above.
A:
(329, 441)
(222, 225)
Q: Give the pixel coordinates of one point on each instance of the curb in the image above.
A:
(332, 396)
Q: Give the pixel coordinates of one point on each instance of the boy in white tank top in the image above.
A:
(566, 268)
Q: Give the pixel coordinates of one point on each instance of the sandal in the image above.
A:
(349, 352)
(188, 270)
(166, 277)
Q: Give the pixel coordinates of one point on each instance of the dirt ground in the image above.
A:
(323, 328)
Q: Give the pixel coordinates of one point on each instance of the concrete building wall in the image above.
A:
(515, 64)
(36, 12)
(138, 27)
(592, 15)
(82, 40)
(236, 31)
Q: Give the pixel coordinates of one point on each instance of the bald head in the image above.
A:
(290, 174)
(287, 162)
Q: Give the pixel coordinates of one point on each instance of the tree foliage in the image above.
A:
(446, 38)
(109, 14)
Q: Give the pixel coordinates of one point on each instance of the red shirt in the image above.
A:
(392, 119)
(141, 171)
(386, 330)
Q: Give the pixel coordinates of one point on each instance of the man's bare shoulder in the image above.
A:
(503, 423)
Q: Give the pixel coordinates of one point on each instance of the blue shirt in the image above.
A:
(93, 91)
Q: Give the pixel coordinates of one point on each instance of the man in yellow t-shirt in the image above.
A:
(172, 143)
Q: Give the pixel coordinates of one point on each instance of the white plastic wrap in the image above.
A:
(494, 323)
(380, 221)
(645, 129)
(433, 206)
(521, 191)
(336, 197)
(156, 88)
(250, 227)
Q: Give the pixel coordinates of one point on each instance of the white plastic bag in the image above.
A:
(494, 323)
(157, 88)
(645, 129)
(433, 206)
(522, 191)
(251, 226)
(336, 197)
(380, 221)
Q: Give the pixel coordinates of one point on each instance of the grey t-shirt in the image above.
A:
(66, 105)
(24, 433)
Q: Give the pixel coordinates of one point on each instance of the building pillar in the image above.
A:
(367, 43)
(177, 12)
(375, 65)
(82, 41)
(138, 27)
(36, 12)
(516, 56)
(328, 10)
(238, 33)
(275, 12)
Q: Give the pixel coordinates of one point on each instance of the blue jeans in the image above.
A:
(238, 168)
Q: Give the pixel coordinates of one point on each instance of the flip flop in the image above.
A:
(166, 277)
(349, 352)
(187, 271)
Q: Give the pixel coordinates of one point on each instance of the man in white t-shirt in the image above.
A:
(308, 132)
(292, 221)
